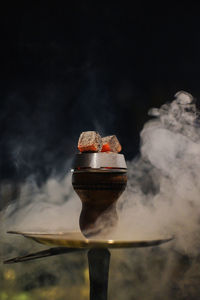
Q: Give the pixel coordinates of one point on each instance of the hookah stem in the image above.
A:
(98, 260)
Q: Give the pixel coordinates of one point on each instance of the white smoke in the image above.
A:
(52, 207)
(164, 185)
(162, 199)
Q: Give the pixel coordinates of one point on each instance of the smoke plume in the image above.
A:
(161, 200)
(163, 191)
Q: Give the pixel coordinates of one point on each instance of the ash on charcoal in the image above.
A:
(90, 141)
(111, 143)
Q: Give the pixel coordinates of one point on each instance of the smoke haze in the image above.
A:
(161, 200)
(163, 190)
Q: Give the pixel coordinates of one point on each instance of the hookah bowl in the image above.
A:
(99, 179)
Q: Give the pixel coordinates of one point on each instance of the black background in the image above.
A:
(89, 66)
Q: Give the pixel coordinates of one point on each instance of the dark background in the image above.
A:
(67, 69)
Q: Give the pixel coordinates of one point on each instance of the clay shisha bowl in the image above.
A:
(99, 179)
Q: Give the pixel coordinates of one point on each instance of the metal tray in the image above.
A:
(77, 240)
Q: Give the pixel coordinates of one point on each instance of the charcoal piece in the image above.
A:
(90, 141)
(111, 144)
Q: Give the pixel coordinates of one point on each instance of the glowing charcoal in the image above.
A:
(111, 144)
(90, 141)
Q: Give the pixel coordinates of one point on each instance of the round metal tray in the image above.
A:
(77, 240)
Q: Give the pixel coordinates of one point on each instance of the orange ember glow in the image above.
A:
(90, 148)
(106, 148)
